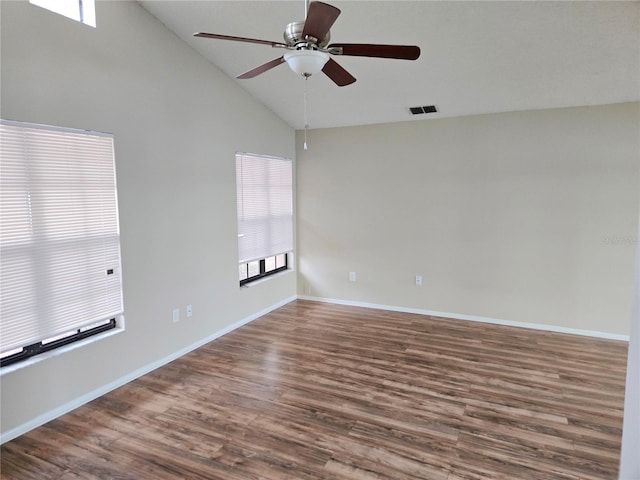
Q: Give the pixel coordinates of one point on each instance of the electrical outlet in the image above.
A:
(418, 280)
(352, 276)
(176, 315)
(189, 311)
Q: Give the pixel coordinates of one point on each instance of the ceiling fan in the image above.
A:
(309, 49)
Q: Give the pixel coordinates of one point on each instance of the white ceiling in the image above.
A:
(477, 56)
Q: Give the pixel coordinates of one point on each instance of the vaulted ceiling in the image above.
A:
(477, 56)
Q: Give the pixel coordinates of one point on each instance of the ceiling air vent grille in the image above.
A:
(420, 110)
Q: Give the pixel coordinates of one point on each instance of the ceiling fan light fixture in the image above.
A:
(306, 62)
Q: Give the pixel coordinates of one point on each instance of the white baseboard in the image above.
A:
(69, 406)
(472, 318)
(77, 402)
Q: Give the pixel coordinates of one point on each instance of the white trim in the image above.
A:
(629, 460)
(78, 402)
(69, 406)
(27, 362)
(253, 283)
(472, 318)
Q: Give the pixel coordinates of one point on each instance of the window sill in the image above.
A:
(266, 279)
(59, 351)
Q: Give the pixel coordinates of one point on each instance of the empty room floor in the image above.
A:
(320, 391)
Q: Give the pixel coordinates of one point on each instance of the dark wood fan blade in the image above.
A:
(239, 39)
(402, 52)
(261, 69)
(338, 74)
(319, 19)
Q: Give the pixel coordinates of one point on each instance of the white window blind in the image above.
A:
(265, 206)
(59, 234)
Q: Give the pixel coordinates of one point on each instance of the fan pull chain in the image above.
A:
(306, 121)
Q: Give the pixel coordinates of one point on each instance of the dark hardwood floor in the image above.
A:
(319, 391)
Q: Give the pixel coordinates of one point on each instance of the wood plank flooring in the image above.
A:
(319, 391)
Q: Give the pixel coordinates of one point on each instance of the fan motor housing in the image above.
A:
(293, 35)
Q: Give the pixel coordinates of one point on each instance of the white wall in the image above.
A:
(178, 122)
(629, 459)
(524, 217)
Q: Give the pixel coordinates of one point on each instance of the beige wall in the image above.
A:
(178, 122)
(525, 217)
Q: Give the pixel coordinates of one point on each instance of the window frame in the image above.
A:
(262, 268)
(47, 345)
(82, 11)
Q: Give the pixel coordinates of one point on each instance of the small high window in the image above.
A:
(80, 10)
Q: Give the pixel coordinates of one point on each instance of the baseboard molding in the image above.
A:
(78, 402)
(472, 318)
(72, 405)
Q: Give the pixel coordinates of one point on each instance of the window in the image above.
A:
(60, 275)
(80, 10)
(265, 215)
